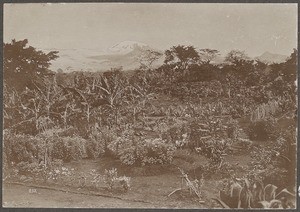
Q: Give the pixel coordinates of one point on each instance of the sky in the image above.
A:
(255, 28)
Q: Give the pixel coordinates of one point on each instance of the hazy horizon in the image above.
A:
(255, 28)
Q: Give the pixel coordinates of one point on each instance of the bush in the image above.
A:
(248, 193)
(93, 149)
(98, 142)
(213, 170)
(68, 148)
(39, 171)
(271, 163)
(26, 148)
(214, 149)
(22, 148)
(263, 130)
(156, 151)
(143, 152)
(111, 179)
(232, 129)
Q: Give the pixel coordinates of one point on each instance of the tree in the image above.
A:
(147, 58)
(292, 60)
(236, 57)
(24, 66)
(290, 69)
(260, 66)
(207, 55)
(287, 70)
(240, 64)
(181, 55)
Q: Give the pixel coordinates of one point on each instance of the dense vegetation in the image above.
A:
(148, 116)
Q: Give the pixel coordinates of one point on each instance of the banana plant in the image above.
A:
(244, 194)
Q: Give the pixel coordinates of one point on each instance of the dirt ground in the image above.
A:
(25, 196)
(22, 196)
(149, 189)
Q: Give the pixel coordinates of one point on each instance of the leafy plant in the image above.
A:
(67, 148)
(214, 150)
(111, 179)
(263, 130)
(243, 193)
(143, 151)
(22, 148)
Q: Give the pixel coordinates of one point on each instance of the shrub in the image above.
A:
(246, 193)
(27, 168)
(263, 130)
(223, 171)
(26, 148)
(68, 148)
(111, 179)
(156, 151)
(53, 171)
(22, 148)
(70, 131)
(108, 135)
(98, 142)
(271, 163)
(93, 149)
(125, 182)
(143, 152)
(232, 129)
(214, 149)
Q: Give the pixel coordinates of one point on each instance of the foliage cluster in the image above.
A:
(143, 151)
(142, 117)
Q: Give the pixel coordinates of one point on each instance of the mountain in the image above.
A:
(126, 46)
(270, 58)
(127, 55)
(124, 54)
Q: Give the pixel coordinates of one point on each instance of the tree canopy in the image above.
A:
(181, 55)
(207, 55)
(24, 64)
(236, 57)
(147, 58)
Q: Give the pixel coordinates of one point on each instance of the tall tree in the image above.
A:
(182, 56)
(290, 72)
(24, 66)
(207, 55)
(236, 57)
(147, 58)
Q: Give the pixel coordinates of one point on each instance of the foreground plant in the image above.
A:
(111, 179)
(195, 185)
(244, 194)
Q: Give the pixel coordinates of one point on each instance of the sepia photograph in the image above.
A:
(150, 105)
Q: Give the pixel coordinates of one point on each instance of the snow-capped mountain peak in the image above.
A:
(125, 54)
(126, 47)
(270, 58)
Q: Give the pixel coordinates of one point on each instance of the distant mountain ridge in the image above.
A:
(270, 58)
(124, 54)
(126, 46)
